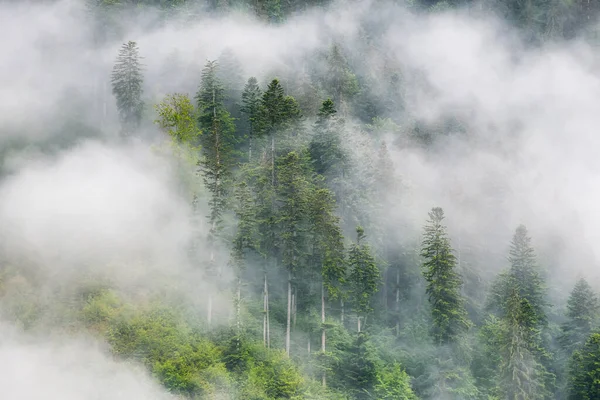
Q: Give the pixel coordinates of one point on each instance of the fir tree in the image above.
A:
(127, 86)
(522, 374)
(443, 281)
(251, 102)
(364, 276)
(582, 314)
(217, 144)
(292, 192)
(584, 371)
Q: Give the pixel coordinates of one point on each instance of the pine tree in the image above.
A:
(328, 248)
(326, 147)
(127, 86)
(217, 144)
(443, 281)
(522, 374)
(340, 82)
(525, 272)
(523, 275)
(364, 276)
(245, 240)
(251, 103)
(584, 371)
(582, 314)
(292, 192)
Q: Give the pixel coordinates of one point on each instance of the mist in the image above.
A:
(73, 197)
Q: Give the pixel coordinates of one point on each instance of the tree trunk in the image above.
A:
(323, 334)
(289, 314)
(397, 308)
(238, 306)
(266, 322)
(342, 315)
(358, 323)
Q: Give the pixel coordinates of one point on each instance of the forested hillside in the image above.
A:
(285, 199)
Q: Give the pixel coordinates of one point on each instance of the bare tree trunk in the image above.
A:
(294, 307)
(323, 334)
(266, 322)
(289, 314)
(397, 301)
(358, 322)
(238, 306)
(342, 316)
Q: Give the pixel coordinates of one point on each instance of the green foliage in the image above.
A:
(364, 276)
(178, 117)
(582, 314)
(585, 370)
(393, 383)
(523, 375)
(443, 281)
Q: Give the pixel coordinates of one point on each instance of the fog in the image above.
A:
(75, 369)
(527, 153)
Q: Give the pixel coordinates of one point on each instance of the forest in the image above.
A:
(294, 199)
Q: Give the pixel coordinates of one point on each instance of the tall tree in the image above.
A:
(341, 81)
(524, 275)
(244, 241)
(582, 314)
(584, 371)
(217, 144)
(443, 281)
(328, 248)
(364, 276)
(251, 102)
(127, 86)
(292, 193)
(522, 373)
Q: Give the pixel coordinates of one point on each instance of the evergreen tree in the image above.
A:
(328, 249)
(292, 193)
(127, 86)
(341, 81)
(326, 147)
(217, 144)
(582, 314)
(364, 276)
(245, 240)
(251, 103)
(523, 275)
(584, 371)
(443, 281)
(522, 374)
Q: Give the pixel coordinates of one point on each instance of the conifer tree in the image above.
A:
(217, 144)
(582, 314)
(328, 248)
(245, 240)
(523, 275)
(584, 371)
(326, 147)
(251, 103)
(341, 82)
(522, 374)
(292, 192)
(364, 276)
(127, 86)
(443, 281)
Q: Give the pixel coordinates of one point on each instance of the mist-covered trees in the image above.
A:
(443, 281)
(127, 86)
(582, 314)
(585, 370)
